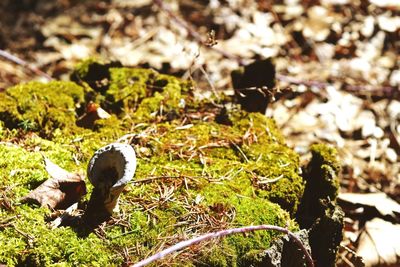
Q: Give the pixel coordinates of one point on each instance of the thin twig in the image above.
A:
(269, 181)
(193, 33)
(209, 82)
(25, 64)
(240, 151)
(126, 137)
(153, 178)
(384, 91)
(193, 241)
(293, 80)
(391, 92)
(29, 237)
(68, 212)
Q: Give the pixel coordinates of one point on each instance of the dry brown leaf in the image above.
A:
(379, 243)
(317, 26)
(380, 201)
(60, 191)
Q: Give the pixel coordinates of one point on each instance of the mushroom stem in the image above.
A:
(109, 170)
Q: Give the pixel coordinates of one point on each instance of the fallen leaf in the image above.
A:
(132, 3)
(379, 243)
(380, 201)
(60, 191)
(55, 171)
(391, 155)
(386, 3)
(317, 26)
(93, 113)
(389, 24)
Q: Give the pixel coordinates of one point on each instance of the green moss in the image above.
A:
(145, 92)
(322, 183)
(257, 126)
(219, 254)
(142, 92)
(82, 68)
(31, 243)
(21, 171)
(318, 210)
(326, 235)
(210, 176)
(128, 86)
(324, 168)
(41, 107)
(325, 155)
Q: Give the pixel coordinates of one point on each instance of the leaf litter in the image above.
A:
(60, 191)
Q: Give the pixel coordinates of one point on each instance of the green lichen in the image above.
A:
(204, 175)
(283, 252)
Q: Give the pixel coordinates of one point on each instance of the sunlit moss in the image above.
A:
(207, 175)
(323, 169)
(41, 107)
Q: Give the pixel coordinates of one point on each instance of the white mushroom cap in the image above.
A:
(112, 166)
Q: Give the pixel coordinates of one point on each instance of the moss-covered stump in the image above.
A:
(318, 211)
(195, 174)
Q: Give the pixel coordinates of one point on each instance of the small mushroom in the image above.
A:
(109, 170)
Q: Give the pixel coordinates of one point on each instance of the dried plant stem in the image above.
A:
(209, 82)
(193, 33)
(384, 91)
(222, 233)
(153, 178)
(68, 212)
(293, 80)
(25, 64)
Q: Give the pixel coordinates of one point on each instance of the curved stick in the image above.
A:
(222, 233)
(23, 63)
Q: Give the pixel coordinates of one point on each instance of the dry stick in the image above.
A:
(240, 151)
(272, 180)
(154, 178)
(386, 91)
(293, 80)
(25, 64)
(58, 221)
(222, 233)
(209, 82)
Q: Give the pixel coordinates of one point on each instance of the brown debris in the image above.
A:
(60, 191)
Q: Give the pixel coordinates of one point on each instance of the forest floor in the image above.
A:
(337, 65)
